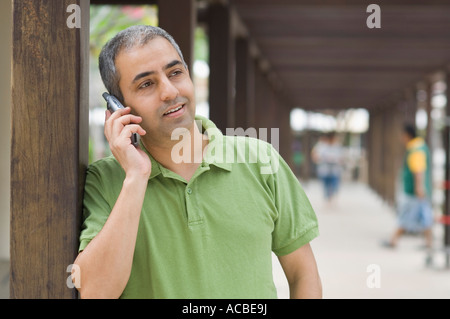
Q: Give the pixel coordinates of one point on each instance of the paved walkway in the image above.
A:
(350, 256)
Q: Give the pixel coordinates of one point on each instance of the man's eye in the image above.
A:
(146, 84)
(175, 73)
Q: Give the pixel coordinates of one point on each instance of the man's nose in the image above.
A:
(167, 90)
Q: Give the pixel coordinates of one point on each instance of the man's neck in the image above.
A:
(183, 155)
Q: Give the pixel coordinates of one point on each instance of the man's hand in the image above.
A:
(119, 127)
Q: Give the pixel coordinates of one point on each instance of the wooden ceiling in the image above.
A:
(326, 57)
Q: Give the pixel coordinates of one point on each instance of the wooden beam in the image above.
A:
(245, 91)
(124, 2)
(221, 61)
(179, 18)
(5, 127)
(407, 3)
(446, 144)
(49, 145)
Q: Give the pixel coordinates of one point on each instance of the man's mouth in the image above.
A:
(176, 109)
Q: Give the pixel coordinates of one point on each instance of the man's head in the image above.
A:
(138, 35)
(409, 132)
(145, 69)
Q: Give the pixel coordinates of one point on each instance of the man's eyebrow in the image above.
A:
(147, 73)
(172, 64)
(142, 75)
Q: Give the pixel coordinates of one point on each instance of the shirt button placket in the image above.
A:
(194, 218)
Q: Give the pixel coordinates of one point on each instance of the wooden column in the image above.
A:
(49, 145)
(179, 18)
(390, 145)
(307, 168)
(369, 148)
(5, 125)
(245, 92)
(446, 144)
(372, 150)
(285, 135)
(376, 151)
(429, 109)
(222, 67)
(410, 106)
(261, 99)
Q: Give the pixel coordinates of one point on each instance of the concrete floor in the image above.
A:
(4, 279)
(351, 260)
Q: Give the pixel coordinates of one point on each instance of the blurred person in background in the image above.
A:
(328, 155)
(415, 212)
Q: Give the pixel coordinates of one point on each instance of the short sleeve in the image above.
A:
(417, 161)
(96, 208)
(296, 223)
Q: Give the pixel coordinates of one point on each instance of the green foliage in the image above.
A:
(201, 46)
(108, 20)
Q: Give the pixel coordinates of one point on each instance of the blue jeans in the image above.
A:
(331, 185)
(415, 214)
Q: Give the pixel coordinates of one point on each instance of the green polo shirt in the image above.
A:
(211, 237)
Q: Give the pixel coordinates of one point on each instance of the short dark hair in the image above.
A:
(410, 130)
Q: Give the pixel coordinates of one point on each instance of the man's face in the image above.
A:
(405, 138)
(157, 87)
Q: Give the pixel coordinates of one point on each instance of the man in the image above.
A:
(329, 157)
(415, 213)
(158, 227)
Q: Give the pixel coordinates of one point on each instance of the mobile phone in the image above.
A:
(113, 104)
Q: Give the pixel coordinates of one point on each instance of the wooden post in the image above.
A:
(261, 99)
(221, 60)
(376, 151)
(244, 84)
(429, 109)
(410, 106)
(49, 145)
(285, 133)
(179, 18)
(5, 126)
(446, 143)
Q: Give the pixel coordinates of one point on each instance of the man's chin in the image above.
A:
(183, 122)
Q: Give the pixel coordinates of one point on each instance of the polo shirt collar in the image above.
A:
(216, 140)
(415, 142)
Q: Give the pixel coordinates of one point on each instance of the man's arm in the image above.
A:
(301, 272)
(105, 263)
(419, 184)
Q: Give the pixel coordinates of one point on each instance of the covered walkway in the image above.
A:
(349, 253)
(266, 58)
